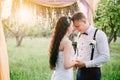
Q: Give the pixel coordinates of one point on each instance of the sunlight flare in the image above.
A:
(6, 8)
(25, 15)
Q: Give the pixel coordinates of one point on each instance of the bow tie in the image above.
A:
(84, 33)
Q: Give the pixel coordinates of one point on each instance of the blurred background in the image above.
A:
(28, 26)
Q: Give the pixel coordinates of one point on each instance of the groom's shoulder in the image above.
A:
(100, 33)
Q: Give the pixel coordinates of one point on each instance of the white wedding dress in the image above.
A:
(60, 73)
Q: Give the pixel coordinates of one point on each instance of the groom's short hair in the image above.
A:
(78, 16)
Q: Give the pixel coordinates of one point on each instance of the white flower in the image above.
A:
(92, 42)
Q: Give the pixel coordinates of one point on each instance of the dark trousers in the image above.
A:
(88, 74)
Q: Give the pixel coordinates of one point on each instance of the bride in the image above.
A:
(61, 51)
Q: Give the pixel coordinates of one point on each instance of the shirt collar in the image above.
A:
(88, 31)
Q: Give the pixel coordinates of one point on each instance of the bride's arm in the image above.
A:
(68, 62)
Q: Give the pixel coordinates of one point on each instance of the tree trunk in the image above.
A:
(104, 29)
(18, 35)
(115, 35)
(18, 40)
(110, 38)
(112, 32)
(111, 35)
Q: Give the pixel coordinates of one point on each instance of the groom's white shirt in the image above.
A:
(101, 51)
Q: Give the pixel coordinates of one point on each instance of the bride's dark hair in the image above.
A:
(59, 31)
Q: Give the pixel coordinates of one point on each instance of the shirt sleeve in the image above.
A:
(102, 50)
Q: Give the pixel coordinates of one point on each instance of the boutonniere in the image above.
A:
(93, 42)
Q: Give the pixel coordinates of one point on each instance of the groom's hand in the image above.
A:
(74, 67)
(80, 64)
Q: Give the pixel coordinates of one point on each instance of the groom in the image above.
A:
(92, 49)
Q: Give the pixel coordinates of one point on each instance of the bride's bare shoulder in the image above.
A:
(66, 41)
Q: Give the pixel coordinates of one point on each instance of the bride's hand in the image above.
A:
(80, 63)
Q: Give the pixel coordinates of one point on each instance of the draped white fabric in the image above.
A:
(93, 4)
(55, 4)
(88, 7)
(4, 65)
(62, 3)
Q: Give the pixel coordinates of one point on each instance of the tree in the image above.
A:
(19, 21)
(107, 18)
(17, 30)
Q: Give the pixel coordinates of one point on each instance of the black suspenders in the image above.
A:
(93, 46)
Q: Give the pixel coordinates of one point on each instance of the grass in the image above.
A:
(111, 70)
(30, 61)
